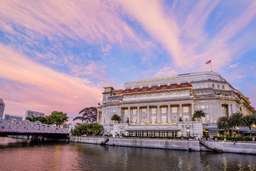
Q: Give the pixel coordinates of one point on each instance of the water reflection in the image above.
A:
(66, 157)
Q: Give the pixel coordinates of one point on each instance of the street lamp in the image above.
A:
(188, 132)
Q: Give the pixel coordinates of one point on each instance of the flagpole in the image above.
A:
(209, 62)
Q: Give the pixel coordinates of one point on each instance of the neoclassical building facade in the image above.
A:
(168, 101)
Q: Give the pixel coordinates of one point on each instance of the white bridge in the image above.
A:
(28, 128)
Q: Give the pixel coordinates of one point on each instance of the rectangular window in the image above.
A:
(164, 118)
(153, 110)
(174, 109)
(185, 109)
(164, 110)
(225, 109)
(153, 115)
(143, 110)
(134, 115)
(126, 111)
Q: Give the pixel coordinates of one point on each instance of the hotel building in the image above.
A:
(165, 102)
(34, 114)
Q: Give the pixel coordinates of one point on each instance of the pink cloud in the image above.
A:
(90, 20)
(185, 38)
(219, 49)
(161, 26)
(92, 69)
(222, 51)
(166, 72)
(40, 88)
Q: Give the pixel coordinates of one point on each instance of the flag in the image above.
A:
(208, 62)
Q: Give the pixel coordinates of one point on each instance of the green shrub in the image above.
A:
(87, 129)
(198, 115)
(116, 118)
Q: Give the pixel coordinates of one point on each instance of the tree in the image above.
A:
(248, 121)
(31, 119)
(87, 115)
(57, 118)
(41, 119)
(223, 123)
(116, 118)
(235, 120)
(198, 115)
(87, 129)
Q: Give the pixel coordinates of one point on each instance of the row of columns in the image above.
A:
(159, 116)
(153, 133)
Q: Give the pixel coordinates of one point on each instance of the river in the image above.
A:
(85, 157)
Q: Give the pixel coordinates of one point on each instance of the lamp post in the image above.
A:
(188, 132)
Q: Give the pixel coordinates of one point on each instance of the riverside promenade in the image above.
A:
(171, 144)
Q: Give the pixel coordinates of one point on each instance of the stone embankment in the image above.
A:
(174, 144)
(233, 147)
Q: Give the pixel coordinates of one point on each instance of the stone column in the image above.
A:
(230, 109)
(129, 114)
(148, 116)
(169, 118)
(158, 114)
(192, 110)
(180, 112)
(138, 115)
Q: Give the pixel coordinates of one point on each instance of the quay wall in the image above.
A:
(87, 140)
(174, 144)
(156, 143)
(141, 142)
(234, 147)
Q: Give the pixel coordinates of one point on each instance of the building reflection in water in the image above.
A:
(67, 157)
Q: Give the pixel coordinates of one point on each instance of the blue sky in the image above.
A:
(57, 55)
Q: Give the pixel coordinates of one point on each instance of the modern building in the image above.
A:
(2, 106)
(34, 114)
(12, 117)
(167, 102)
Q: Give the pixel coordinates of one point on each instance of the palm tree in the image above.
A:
(248, 121)
(223, 123)
(87, 115)
(198, 115)
(235, 120)
(116, 118)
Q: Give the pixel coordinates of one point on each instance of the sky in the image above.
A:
(59, 54)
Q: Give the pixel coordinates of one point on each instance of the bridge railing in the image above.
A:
(30, 127)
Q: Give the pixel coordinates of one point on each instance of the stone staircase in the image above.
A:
(210, 147)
